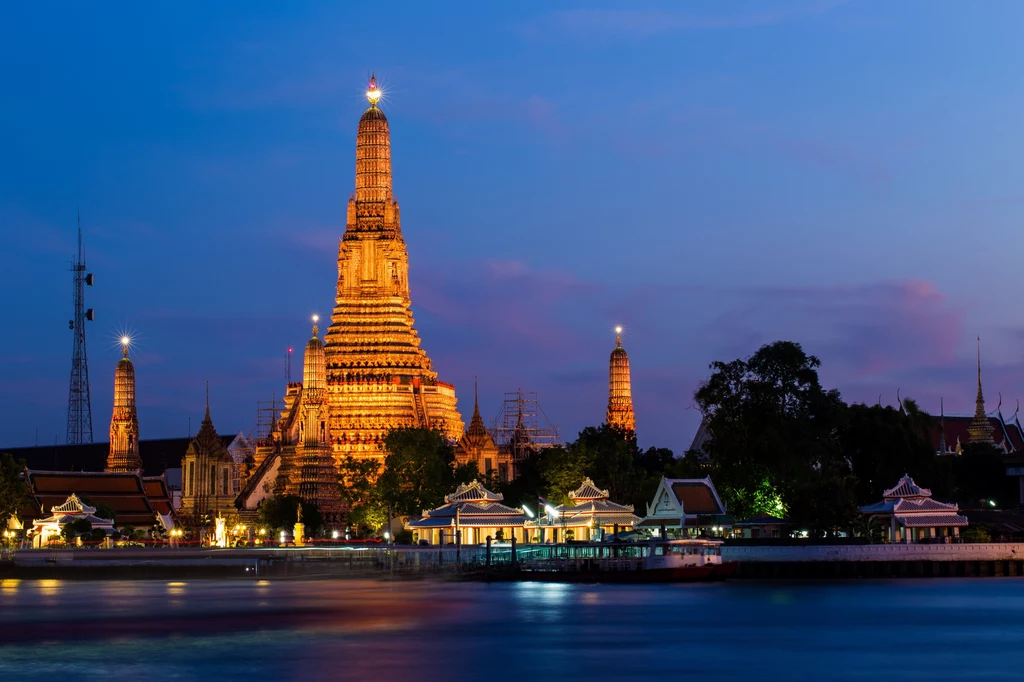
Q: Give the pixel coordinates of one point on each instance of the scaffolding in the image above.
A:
(267, 412)
(521, 426)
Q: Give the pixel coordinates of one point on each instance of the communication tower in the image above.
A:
(79, 403)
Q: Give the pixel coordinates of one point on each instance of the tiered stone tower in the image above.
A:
(124, 424)
(317, 480)
(620, 392)
(980, 430)
(378, 377)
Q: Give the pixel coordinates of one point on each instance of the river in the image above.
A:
(117, 631)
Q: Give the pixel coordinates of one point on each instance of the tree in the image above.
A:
(774, 429)
(13, 489)
(883, 444)
(75, 529)
(419, 470)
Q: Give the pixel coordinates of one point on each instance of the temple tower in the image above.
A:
(317, 480)
(207, 475)
(980, 430)
(124, 424)
(378, 377)
(620, 392)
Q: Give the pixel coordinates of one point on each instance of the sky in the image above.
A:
(713, 176)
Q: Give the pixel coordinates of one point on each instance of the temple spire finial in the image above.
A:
(618, 336)
(980, 430)
(207, 417)
(373, 93)
(316, 325)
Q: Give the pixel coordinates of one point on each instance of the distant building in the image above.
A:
(686, 507)
(590, 515)
(909, 514)
(620, 388)
(478, 447)
(48, 529)
(472, 511)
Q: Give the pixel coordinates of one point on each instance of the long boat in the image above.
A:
(687, 560)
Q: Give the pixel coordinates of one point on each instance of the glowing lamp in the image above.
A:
(618, 330)
(316, 318)
(125, 340)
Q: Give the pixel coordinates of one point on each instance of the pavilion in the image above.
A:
(47, 529)
(588, 516)
(912, 514)
(686, 507)
(474, 512)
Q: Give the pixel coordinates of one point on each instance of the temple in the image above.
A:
(620, 392)
(378, 376)
(472, 511)
(478, 447)
(124, 424)
(686, 507)
(209, 482)
(980, 430)
(590, 515)
(911, 515)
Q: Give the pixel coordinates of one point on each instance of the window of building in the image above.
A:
(224, 480)
(213, 479)
(488, 466)
(190, 480)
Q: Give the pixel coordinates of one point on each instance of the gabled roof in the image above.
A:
(73, 505)
(473, 492)
(588, 491)
(123, 492)
(696, 495)
(906, 488)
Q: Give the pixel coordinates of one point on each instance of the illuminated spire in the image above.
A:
(620, 392)
(373, 93)
(980, 430)
(373, 163)
(124, 423)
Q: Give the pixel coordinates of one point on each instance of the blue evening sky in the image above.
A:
(711, 175)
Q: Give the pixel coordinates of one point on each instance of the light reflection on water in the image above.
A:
(322, 630)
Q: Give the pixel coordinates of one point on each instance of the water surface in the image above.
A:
(966, 629)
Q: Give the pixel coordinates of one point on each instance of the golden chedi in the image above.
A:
(123, 455)
(378, 376)
(620, 392)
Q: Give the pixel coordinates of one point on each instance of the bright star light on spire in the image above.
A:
(373, 93)
(618, 329)
(126, 340)
(316, 318)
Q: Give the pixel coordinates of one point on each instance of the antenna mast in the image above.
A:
(79, 403)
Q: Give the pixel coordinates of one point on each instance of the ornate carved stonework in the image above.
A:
(378, 377)
(124, 423)
(620, 392)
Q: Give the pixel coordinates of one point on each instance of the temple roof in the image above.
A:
(696, 495)
(931, 520)
(906, 488)
(473, 492)
(73, 505)
(124, 492)
(588, 491)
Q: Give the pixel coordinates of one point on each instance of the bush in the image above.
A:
(976, 534)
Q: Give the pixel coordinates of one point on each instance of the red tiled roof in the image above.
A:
(696, 498)
(124, 493)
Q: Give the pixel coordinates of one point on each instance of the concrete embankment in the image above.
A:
(170, 564)
(876, 561)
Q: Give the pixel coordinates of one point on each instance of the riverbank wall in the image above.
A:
(876, 561)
